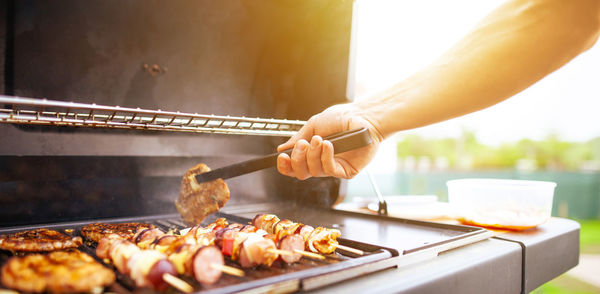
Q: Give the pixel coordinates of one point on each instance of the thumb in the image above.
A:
(305, 132)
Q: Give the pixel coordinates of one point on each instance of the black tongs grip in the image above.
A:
(342, 142)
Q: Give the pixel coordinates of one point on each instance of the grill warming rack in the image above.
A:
(33, 111)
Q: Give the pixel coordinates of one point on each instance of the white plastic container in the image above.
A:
(498, 203)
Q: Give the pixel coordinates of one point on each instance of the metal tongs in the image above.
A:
(342, 142)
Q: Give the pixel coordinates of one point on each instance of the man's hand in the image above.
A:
(314, 157)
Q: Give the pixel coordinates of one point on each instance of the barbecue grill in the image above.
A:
(216, 82)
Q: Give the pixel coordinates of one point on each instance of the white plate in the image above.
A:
(421, 207)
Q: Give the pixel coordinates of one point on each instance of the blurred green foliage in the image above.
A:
(590, 236)
(566, 283)
(466, 152)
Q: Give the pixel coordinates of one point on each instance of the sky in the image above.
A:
(395, 38)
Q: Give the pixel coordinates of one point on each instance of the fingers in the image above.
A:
(313, 157)
(284, 165)
(327, 159)
(287, 145)
(304, 161)
(298, 160)
(304, 133)
(336, 167)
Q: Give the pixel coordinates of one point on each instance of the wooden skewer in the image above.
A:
(183, 232)
(350, 249)
(309, 254)
(228, 269)
(177, 283)
(280, 252)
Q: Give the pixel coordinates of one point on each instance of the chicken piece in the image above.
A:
(284, 228)
(198, 200)
(57, 272)
(256, 250)
(323, 240)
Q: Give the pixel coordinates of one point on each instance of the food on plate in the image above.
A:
(502, 203)
(198, 200)
(38, 240)
(518, 217)
(97, 231)
(318, 240)
(56, 272)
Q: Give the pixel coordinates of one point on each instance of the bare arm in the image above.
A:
(512, 48)
(515, 46)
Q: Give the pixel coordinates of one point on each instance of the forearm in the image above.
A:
(512, 48)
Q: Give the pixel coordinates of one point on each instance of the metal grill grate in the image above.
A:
(19, 110)
(306, 274)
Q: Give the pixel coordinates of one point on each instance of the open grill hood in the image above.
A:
(266, 59)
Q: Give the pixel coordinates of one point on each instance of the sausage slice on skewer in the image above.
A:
(292, 243)
(207, 264)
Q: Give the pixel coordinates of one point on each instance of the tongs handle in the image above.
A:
(342, 142)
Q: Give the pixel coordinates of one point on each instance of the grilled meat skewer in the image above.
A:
(317, 240)
(246, 244)
(147, 267)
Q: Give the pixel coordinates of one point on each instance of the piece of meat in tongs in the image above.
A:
(204, 192)
(198, 200)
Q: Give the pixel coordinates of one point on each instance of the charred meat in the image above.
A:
(95, 232)
(198, 200)
(38, 240)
